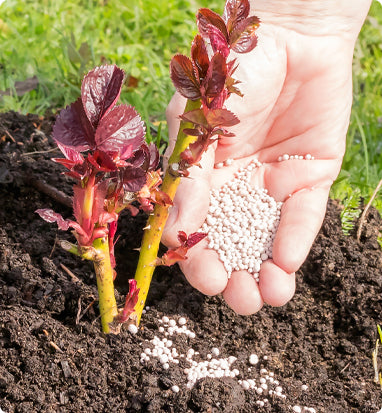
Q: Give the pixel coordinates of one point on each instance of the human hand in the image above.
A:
(297, 87)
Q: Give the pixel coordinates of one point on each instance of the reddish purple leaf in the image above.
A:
(216, 76)
(130, 303)
(154, 157)
(182, 238)
(187, 157)
(102, 161)
(112, 229)
(133, 179)
(78, 171)
(179, 254)
(234, 12)
(193, 154)
(126, 152)
(132, 296)
(63, 224)
(206, 17)
(73, 129)
(100, 90)
(147, 157)
(222, 132)
(196, 117)
(233, 89)
(199, 55)
(230, 85)
(87, 226)
(139, 157)
(49, 215)
(243, 38)
(218, 102)
(78, 200)
(120, 127)
(70, 154)
(190, 240)
(183, 77)
(146, 205)
(73, 160)
(232, 65)
(171, 257)
(161, 198)
(221, 117)
(194, 238)
(192, 132)
(105, 218)
(65, 162)
(218, 40)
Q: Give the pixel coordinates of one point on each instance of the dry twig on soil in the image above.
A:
(366, 209)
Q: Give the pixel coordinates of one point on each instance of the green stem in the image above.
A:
(70, 247)
(105, 284)
(157, 221)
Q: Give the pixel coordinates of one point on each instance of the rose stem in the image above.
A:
(157, 220)
(105, 284)
(100, 255)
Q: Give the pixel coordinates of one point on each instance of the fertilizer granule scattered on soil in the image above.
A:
(262, 383)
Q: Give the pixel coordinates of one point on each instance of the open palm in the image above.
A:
(297, 90)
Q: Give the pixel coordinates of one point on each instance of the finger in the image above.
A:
(242, 293)
(203, 270)
(283, 179)
(276, 286)
(174, 109)
(191, 201)
(301, 219)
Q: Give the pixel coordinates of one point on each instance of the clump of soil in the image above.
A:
(54, 358)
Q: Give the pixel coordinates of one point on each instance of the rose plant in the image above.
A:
(115, 169)
(206, 80)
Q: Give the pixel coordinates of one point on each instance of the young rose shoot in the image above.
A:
(206, 80)
(107, 156)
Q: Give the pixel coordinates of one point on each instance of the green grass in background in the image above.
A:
(362, 165)
(59, 41)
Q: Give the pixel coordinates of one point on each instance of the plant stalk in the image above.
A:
(157, 220)
(87, 206)
(105, 284)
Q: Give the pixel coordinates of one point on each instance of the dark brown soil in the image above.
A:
(53, 357)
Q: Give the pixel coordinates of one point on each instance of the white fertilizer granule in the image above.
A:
(257, 380)
(241, 223)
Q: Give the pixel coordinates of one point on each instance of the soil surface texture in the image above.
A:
(54, 358)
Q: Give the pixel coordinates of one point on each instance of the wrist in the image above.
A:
(314, 17)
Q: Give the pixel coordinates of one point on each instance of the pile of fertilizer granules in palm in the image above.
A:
(241, 223)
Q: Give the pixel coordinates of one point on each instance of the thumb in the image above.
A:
(191, 201)
(174, 109)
